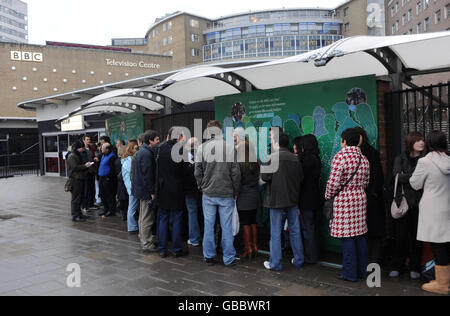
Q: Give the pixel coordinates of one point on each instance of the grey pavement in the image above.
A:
(38, 241)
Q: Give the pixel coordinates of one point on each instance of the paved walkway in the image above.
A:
(38, 241)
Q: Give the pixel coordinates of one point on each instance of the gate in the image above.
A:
(422, 109)
(19, 154)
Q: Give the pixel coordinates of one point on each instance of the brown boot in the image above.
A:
(441, 285)
(255, 240)
(247, 242)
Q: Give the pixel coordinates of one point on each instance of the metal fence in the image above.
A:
(422, 109)
(18, 165)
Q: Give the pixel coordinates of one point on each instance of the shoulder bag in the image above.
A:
(328, 207)
(397, 211)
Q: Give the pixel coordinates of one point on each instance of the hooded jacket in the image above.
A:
(432, 174)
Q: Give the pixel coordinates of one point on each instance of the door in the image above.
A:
(51, 156)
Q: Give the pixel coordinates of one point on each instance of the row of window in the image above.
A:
(273, 30)
(426, 24)
(270, 16)
(169, 25)
(419, 6)
(7, 30)
(195, 38)
(12, 12)
(268, 46)
(9, 21)
(130, 42)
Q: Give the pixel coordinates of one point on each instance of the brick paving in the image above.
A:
(38, 241)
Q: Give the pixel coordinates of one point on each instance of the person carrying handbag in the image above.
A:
(405, 227)
(350, 172)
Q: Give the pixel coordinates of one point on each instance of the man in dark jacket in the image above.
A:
(143, 188)
(281, 197)
(89, 186)
(77, 173)
(170, 195)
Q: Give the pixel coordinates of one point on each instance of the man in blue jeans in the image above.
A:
(281, 197)
(218, 177)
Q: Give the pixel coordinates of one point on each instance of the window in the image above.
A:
(393, 29)
(195, 52)
(347, 27)
(169, 25)
(165, 41)
(195, 38)
(392, 11)
(437, 17)
(396, 7)
(403, 2)
(403, 19)
(164, 27)
(170, 39)
(447, 11)
(409, 15)
(410, 31)
(426, 4)
(419, 28)
(170, 53)
(418, 8)
(396, 25)
(426, 25)
(346, 11)
(194, 23)
(155, 32)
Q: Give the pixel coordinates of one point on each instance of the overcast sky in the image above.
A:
(98, 21)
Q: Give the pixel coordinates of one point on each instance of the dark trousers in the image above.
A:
(77, 195)
(354, 251)
(406, 244)
(175, 218)
(89, 191)
(310, 232)
(107, 195)
(374, 247)
(441, 253)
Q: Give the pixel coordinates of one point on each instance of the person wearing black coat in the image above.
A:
(405, 229)
(122, 194)
(77, 173)
(171, 202)
(249, 200)
(143, 188)
(311, 197)
(376, 212)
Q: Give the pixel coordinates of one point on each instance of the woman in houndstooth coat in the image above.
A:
(350, 205)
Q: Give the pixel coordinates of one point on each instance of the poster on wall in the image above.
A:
(125, 127)
(323, 109)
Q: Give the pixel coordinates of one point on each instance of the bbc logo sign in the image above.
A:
(26, 56)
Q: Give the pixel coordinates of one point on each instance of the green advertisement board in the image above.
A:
(324, 109)
(125, 127)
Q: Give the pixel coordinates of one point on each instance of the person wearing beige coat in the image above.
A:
(432, 174)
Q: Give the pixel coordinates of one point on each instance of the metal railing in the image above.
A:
(19, 165)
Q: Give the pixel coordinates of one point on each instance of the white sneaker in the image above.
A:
(394, 274)
(192, 244)
(414, 275)
(267, 265)
(292, 261)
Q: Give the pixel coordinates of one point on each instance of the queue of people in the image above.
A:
(152, 190)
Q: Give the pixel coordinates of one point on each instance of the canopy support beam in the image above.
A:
(234, 80)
